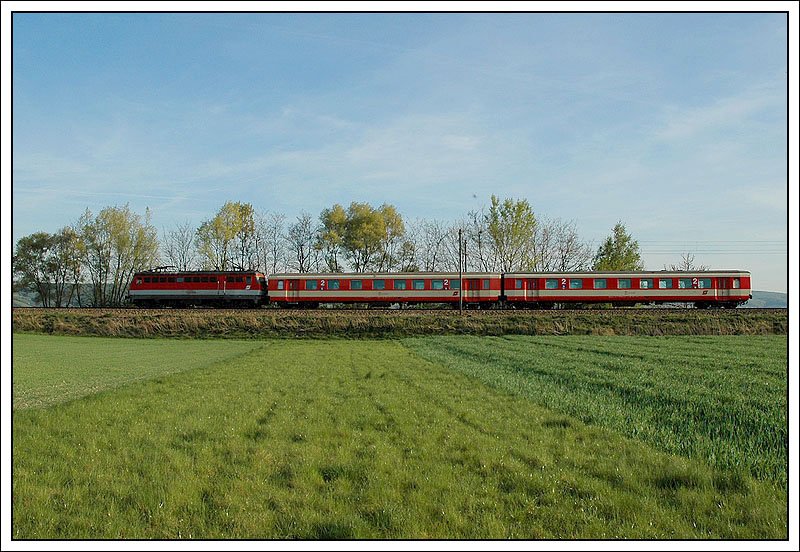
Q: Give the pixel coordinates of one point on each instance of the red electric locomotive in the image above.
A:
(160, 287)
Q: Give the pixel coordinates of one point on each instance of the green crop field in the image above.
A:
(444, 437)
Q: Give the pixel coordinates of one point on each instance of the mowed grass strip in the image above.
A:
(720, 399)
(49, 371)
(354, 439)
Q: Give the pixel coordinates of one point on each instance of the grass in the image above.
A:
(719, 399)
(335, 439)
(267, 323)
(51, 371)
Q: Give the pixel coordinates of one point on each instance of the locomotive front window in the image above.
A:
(551, 283)
(333, 284)
(437, 284)
(665, 283)
(705, 283)
(646, 283)
(419, 284)
(624, 283)
(600, 283)
(138, 281)
(311, 284)
(379, 284)
(399, 284)
(684, 283)
(355, 284)
(575, 283)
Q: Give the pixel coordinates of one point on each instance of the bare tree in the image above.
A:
(270, 242)
(686, 264)
(177, 247)
(301, 239)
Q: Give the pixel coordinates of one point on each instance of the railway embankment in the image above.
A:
(352, 323)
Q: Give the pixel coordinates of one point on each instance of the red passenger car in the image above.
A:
(410, 288)
(202, 288)
(720, 288)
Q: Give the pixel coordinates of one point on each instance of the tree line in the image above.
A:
(91, 262)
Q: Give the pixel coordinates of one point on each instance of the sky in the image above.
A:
(673, 123)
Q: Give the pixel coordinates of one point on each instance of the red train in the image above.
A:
(721, 288)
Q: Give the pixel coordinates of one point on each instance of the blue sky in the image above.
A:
(675, 124)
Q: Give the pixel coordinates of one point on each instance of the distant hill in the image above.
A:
(767, 300)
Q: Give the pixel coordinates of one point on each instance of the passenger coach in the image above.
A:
(410, 288)
(704, 289)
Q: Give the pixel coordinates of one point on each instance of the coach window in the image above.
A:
(455, 284)
(575, 283)
(486, 283)
(333, 284)
(437, 284)
(399, 284)
(355, 284)
(195, 278)
(600, 283)
(147, 280)
(551, 283)
(517, 284)
(379, 284)
(280, 284)
(705, 283)
(624, 283)
(171, 279)
(684, 283)
(204, 278)
(646, 283)
(736, 283)
(419, 284)
(665, 283)
(311, 284)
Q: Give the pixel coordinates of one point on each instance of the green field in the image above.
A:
(446, 437)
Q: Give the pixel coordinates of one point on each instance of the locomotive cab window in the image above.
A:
(551, 283)
(646, 283)
(138, 281)
(147, 280)
(575, 283)
(399, 284)
(379, 284)
(665, 283)
(355, 284)
(419, 284)
(600, 283)
(624, 283)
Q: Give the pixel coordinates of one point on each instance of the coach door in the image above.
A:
(473, 289)
(293, 291)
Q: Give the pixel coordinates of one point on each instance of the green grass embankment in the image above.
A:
(203, 323)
